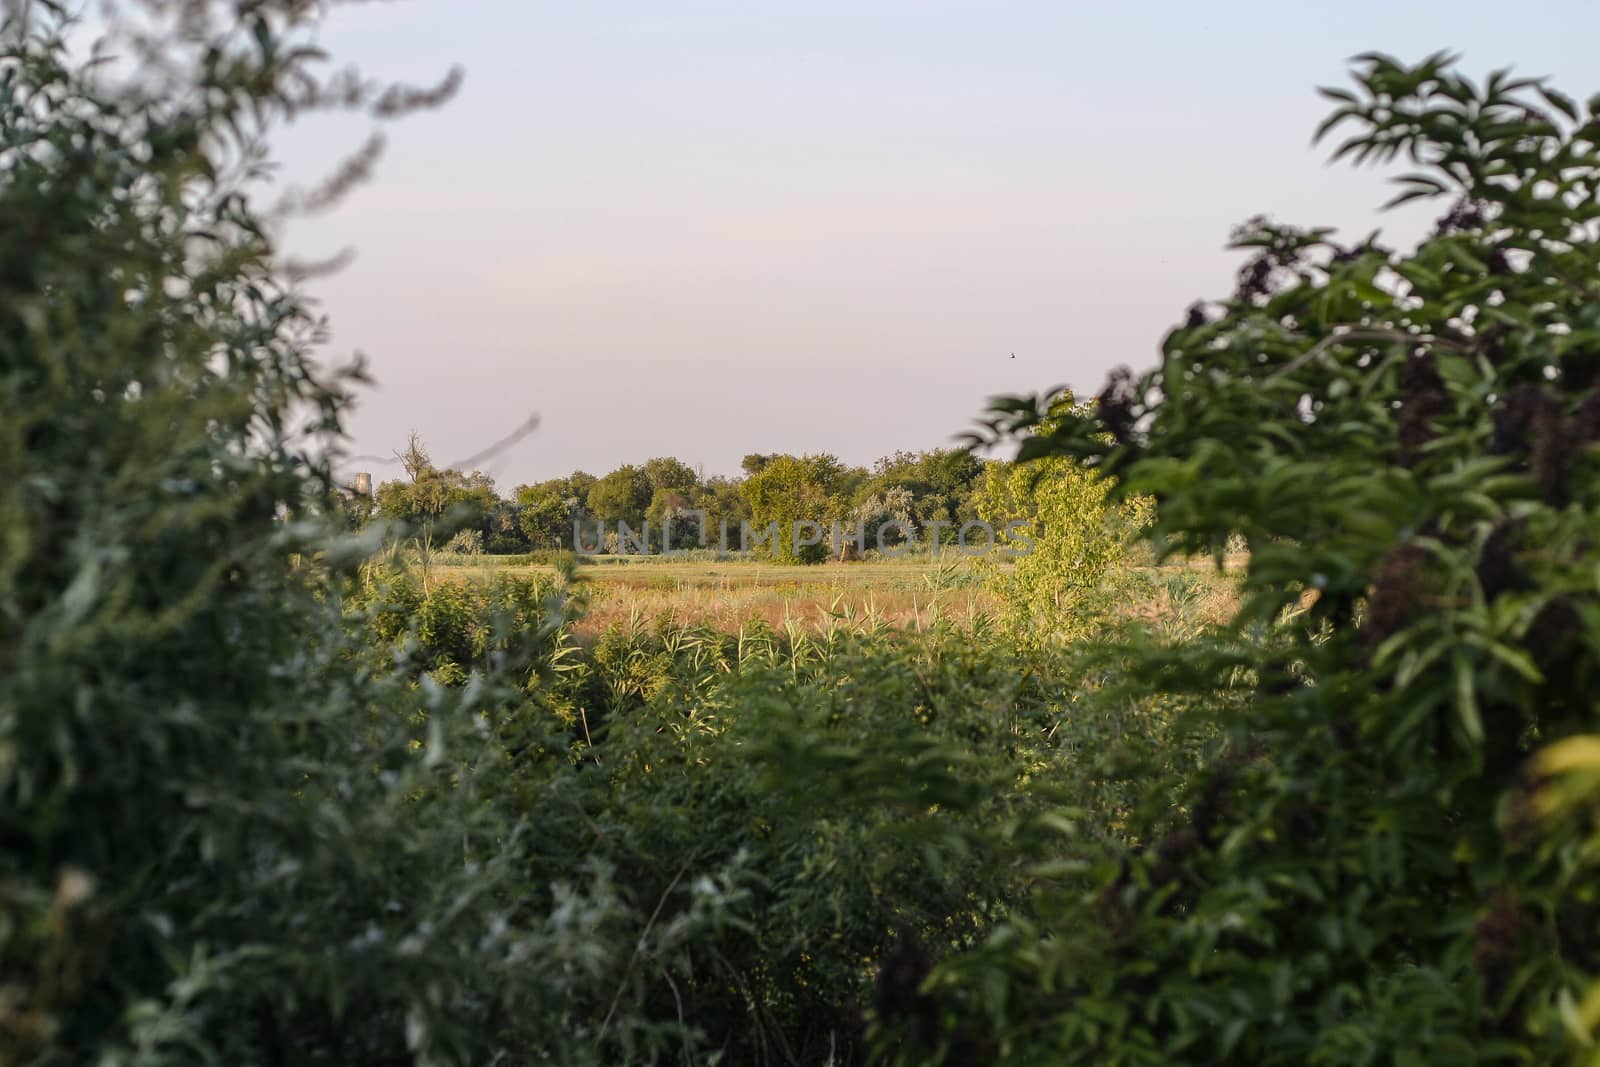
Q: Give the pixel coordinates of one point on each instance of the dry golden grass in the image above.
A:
(908, 594)
(730, 603)
(728, 595)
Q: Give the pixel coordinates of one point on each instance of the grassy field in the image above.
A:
(727, 595)
(911, 593)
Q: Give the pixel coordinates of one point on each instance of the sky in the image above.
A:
(705, 229)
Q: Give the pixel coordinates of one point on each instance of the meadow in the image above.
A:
(915, 594)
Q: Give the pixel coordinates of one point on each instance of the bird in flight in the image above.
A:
(1013, 355)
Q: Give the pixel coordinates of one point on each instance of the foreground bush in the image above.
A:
(223, 841)
(791, 774)
(1359, 873)
(790, 828)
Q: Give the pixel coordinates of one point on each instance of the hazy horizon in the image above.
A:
(713, 229)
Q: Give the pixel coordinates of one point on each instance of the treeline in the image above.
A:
(908, 496)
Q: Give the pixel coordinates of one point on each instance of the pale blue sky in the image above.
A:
(707, 229)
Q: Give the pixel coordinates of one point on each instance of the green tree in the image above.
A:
(547, 510)
(754, 461)
(501, 528)
(790, 492)
(725, 508)
(435, 501)
(575, 488)
(670, 474)
(886, 518)
(622, 496)
(672, 487)
(940, 481)
(545, 515)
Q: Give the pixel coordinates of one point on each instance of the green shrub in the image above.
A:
(1068, 544)
(795, 773)
(1405, 442)
(853, 804)
(232, 834)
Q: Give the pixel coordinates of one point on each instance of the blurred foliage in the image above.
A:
(1568, 800)
(230, 833)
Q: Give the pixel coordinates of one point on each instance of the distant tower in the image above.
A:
(361, 484)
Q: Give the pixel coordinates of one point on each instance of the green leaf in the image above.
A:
(1467, 699)
(1560, 101)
